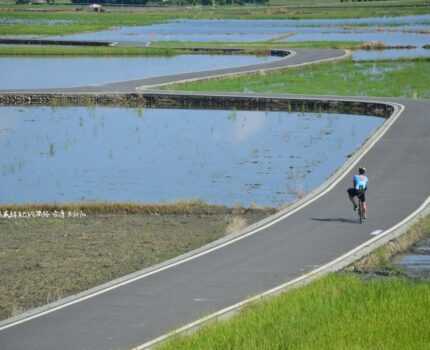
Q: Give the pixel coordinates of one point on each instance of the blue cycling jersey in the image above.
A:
(360, 182)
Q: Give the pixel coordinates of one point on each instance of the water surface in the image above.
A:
(416, 262)
(156, 155)
(365, 55)
(390, 30)
(57, 72)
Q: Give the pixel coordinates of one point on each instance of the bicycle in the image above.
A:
(360, 210)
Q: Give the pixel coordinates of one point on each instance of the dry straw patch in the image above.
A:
(236, 224)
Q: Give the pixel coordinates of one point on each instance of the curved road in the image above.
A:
(153, 304)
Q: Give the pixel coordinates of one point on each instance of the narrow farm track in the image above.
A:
(146, 305)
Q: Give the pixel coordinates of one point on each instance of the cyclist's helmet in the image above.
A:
(361, 171)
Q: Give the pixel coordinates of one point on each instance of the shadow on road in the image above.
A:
(348, 221)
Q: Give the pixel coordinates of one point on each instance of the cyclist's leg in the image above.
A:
(351, 195)
(363, 199)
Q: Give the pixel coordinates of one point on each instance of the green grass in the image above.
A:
(380, 259)
(83, 21)
(336, 312)
(160, 49)
(263, 45)
(318, 3)
(58, 50)
(54, 50)
(403, 78)
(80, 21)
(340, 311)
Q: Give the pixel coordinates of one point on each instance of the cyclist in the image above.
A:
(359, 190)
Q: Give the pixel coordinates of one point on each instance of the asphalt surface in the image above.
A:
(299, 56)
(327, 228)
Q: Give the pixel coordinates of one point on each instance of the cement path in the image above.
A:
(320, 232)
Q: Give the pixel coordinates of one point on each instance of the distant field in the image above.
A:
(160, 49)
(54, 50)
(402, 78)
(370, 3)
(36, 22)
(263, 45)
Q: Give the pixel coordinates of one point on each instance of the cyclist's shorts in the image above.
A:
(357, 193)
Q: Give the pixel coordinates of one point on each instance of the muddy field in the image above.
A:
(44, 259)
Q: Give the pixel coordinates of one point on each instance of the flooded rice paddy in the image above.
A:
(393, 31)
(364, 55)
(9, 21)
(257, 30)
(32, 72)
(416, 262)
(70, 154)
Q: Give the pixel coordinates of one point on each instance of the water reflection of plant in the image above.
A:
(140, 111)
(232, 115)
(51, 151)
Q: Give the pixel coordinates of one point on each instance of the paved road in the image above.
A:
(140, 311)
(297, 57)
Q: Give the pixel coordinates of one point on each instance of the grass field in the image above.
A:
(403, 78)
(337, 312)
(340, 311)
(37, 22)
(44, 259)
(160, 49)
(54, 50)
(262, 45)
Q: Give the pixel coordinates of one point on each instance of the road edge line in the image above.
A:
(347, 53)
(321, 190)
(333, 266)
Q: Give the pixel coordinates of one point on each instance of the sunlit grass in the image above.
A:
(37, 50)
(340, 311)
(403, 78)
(165, 48)
(336, 312)
(269, 44)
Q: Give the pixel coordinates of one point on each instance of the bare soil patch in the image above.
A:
(45, 259)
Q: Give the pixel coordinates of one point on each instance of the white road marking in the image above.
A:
(364, 150)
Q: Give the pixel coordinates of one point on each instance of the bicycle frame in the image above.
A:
(360, 210)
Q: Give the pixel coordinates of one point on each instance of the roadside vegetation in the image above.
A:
(401, 78)
(340, 311)
(45, 259)
(190, 207)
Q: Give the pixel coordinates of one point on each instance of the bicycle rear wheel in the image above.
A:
(360, 212)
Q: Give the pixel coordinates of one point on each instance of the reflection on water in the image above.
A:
(364, 55)
(416, 262)
(407, 30)
(387, 37)
(152, 155)
(393, 31)
(32, 72)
